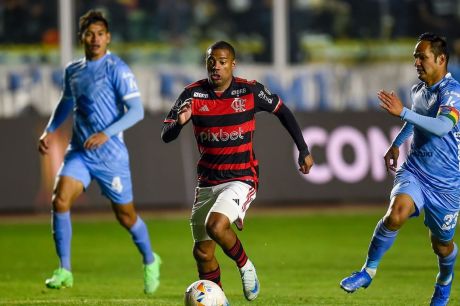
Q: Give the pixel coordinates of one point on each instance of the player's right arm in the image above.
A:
(59, 115)
(178, 116)
(392, 154)
(441, 125)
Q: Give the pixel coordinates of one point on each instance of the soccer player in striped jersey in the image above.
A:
(222, 109)
(102, 94)
(429, 179)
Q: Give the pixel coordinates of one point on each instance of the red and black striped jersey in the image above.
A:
(224, 128)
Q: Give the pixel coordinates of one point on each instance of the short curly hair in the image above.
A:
(223, 45)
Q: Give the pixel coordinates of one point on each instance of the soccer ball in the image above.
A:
(205, 293)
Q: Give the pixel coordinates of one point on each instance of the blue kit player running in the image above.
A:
(429, 179)
(101, 92)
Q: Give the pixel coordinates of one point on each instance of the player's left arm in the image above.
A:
(289, 122)
(61, 112)
(134, 113)
(126, 87)
(440, 125)
(265, 100)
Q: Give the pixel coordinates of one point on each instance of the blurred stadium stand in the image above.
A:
(339, 53)
(336, 48)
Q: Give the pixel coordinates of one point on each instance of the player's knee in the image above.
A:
(437, 251)
(126, 220)
(394, 221)
(401, 209)
(60, 203)
(441, 250)
(202, 255)
(216, 229)
(126, 214)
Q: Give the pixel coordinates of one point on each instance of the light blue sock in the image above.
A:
(141, 238)
(62, 234)
(446, 267)
(381, 241)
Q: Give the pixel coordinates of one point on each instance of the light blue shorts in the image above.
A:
(441, 209)
(114, 178)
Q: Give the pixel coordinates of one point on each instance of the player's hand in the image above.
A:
(185, 112)
(391, 158)
(95, 141)
(44, 143)
(390, 102)
(307, 164)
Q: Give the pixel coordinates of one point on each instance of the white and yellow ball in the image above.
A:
(205, 293)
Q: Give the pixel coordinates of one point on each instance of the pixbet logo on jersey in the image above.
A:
(221, 135)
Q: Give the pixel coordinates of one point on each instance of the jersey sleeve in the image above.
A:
(288, 120)
(134, 114)
(171, 128)
(438, 126)
(64, 106)
(450, 104)
(406, 131)
(125, 82)
(447, 114)
(264, 100)
(66, 88)
(184, 97)
(125, 86)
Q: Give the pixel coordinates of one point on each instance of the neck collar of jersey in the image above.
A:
(436, 85)
(98, 60)
(221, 92)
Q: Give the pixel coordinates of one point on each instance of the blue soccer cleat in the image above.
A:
(355, 281)
(441, 295)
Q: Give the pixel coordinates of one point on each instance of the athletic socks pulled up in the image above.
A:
(62, 234)
(141, 239)
(446, 267)
(382, 240)
(213, 276)
(237, 253)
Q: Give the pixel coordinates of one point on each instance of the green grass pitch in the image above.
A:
(300, 260)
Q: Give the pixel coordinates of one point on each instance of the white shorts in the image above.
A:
(231, 199)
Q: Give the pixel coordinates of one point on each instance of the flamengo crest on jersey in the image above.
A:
(224, 127)
(99, 89)
(436, 160)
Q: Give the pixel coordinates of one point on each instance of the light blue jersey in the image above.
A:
(435, 160)
(104, 97)
(431, 174)
(99, 91)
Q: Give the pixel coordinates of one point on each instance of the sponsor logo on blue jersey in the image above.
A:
(420, 153)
